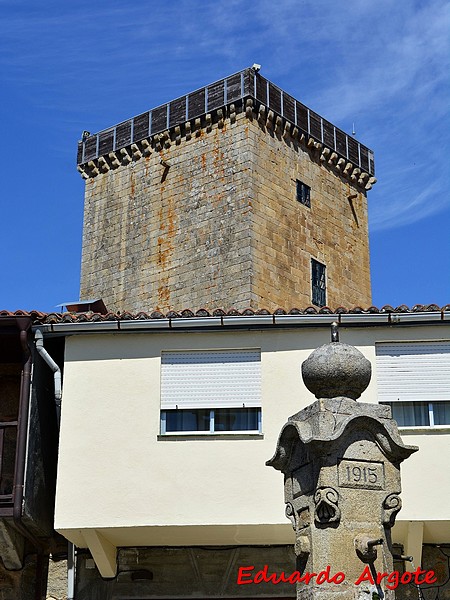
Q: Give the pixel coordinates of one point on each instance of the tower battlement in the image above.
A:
(245, 91)
(235, 195)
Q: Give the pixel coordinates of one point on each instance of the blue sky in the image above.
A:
(70, 66)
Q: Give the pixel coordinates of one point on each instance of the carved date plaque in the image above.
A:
(361, 474)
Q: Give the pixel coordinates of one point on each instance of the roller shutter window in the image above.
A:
(414, 379)
(211, 391)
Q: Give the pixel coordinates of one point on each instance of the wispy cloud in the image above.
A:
(383, 65)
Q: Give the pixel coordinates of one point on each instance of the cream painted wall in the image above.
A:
(115, 473)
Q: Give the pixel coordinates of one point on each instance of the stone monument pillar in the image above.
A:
(341, 465)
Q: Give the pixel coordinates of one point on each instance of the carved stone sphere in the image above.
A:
(335, 370)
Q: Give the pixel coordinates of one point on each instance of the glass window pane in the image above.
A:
(236, 419)
(187, 420)
(441, 413)
(410, 414)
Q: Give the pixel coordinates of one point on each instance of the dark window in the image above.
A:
(319, 297)
(217, 420)
(303, 193)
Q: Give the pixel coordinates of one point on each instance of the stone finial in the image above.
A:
(336, 370)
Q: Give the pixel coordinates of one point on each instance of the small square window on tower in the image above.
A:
(303, 193)
(318, 283)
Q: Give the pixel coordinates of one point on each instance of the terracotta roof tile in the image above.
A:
(67, 317)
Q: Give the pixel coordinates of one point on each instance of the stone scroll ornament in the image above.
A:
(392, 505)
(327, 510)
(290, 514)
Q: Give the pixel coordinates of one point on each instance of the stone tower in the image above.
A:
(235, 195)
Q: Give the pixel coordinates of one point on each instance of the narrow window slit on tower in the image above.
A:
(318, 282)
(303, 193)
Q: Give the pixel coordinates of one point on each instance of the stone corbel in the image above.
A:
(372, 181)
(165, 137)
(177, 135)
(187, 128)
(355, 174)
(363, 179)
(249, 109)
(208, 122)
(220, 119)
(325, 154)
(103, 164)
(232, 113)
(126, 158)
(262, 115)
(278, 124)
(146, 147)
(157, 142)
(269, 121)
(340, 164)
(348, 169)
(115, 162)
(82, 170)
(333, 158)
(93, 168)
(198, 127)
(136, 152)
(287, 130)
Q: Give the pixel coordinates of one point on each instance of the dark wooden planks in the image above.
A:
(315, 128)
(261, 89)
(177, 111)
(159, 119)
(90, 148)
(364, 158)
(275, 98)
(216, 95)
(196, 104)
(140, 128)
(233, 87)
(80, 153)
(302, 117)
(353, 150)
(105, 141)
(123, 134)
(289, 107)
(341, 144)
(328, 133)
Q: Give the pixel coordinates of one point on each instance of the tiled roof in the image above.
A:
(52, 318)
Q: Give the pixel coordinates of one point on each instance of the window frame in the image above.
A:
(303, 193)
(254, 403)
(212, 430)
(422, 350)
(316, 286)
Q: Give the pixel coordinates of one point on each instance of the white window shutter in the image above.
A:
(413, 371)
(211, 379)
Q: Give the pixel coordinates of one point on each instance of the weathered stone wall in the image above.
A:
(287, 234)
(177, 237)
(221, 226)
(57, 580)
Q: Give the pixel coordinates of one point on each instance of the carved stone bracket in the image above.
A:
(327, 510)
(290, 513)
(392, 505)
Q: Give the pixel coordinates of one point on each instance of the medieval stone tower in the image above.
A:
(235, 195)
